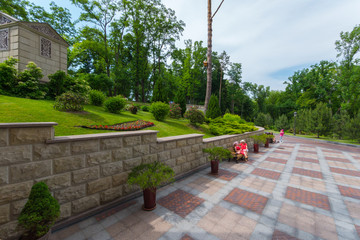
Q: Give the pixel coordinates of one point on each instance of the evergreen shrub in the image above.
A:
(115, 104)
(159, 110)
(213, 110)
(145, 108)
(39, 213)
(29, 81)
(8, 74)
(133, 109)
(96, 97)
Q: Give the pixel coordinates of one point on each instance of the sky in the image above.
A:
(270, 38)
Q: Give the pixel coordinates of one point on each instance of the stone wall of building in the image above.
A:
(13, 47)
(29, 50)
(84, 172)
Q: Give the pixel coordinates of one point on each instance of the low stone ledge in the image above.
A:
(28, 124)
(75, 138)
(180, 137)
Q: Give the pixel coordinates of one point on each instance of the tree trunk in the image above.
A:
(209, 67)
(221, 76)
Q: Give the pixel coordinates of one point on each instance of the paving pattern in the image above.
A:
(299, 189)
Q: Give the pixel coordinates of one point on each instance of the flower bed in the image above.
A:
(126, 126)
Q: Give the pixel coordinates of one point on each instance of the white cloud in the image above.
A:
(268, 36)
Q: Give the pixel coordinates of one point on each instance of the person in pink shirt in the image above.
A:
(281, 135)
(244, 149)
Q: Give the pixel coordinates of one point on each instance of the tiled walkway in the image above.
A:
(299, 189)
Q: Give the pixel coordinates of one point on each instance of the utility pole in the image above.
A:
(209, 52)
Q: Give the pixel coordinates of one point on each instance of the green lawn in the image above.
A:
(14, 109)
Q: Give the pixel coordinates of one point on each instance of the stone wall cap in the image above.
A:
(27, 124)
(84, 137)
(179, 137)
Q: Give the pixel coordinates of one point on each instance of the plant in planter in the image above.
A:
(39, 213)
(148, 177)
(258, 139)
(217, 154)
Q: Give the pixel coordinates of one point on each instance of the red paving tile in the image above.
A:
(308, 151)
(114, 210)
(248, 200)
(338, 159)
(309, 173)
(266, 173)
(278, 235)
(310, 198)
(180, 202)
(345, 171)
(358, 229)
(225, 175)
(277, 160)
(307, 159)
(186, 237)
(349, 192)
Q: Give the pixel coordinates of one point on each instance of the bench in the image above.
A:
(236, 156)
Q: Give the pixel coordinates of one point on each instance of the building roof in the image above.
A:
(42, 28)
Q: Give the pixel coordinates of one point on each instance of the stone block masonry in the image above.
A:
(86, 172)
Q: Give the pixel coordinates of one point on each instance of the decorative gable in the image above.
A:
(4, 20)
(45, 29)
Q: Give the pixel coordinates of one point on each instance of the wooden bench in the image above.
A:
(236, 156)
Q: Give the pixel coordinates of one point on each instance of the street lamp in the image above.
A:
(295, 113)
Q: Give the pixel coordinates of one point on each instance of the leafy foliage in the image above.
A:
(70, 101)
(180, 98)
(8, 75)
(28, 82)
(115, 104)
(259, 138)
(218, 153)
(195, 116)
(159, 110)
(282, 123)
(230, 125)
(145, 108)
(151, 175)
(213, 108)
(39, 213)
(175, 111)
(133, 109)
(96, 97)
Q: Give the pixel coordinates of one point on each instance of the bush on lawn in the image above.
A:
(96, 97)
(70, 101)
(115, 104)
(159, 110)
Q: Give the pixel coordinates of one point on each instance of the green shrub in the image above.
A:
(233, 118)
(175, 111)
(115, 104)
(8, 76)
(258, 139)
(159, 110)
(145, 108)
(151, 175)
(133, 109)
(96, 97)
(70, 101)
(39, 213)
(180, 98)
(264, 120)
(195, 116)
(28, 82)
(213, 110)
(221, 126)
(282, 123)
(217, 153)
(56, 84)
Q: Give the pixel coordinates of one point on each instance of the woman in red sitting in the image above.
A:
(244, 149)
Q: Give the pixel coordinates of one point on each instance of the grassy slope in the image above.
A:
(26, 110)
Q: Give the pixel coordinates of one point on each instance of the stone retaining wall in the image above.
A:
(84, 172)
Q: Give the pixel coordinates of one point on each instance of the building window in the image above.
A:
(45, 47)
(4, 39)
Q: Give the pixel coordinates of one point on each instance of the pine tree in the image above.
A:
(213, 108)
